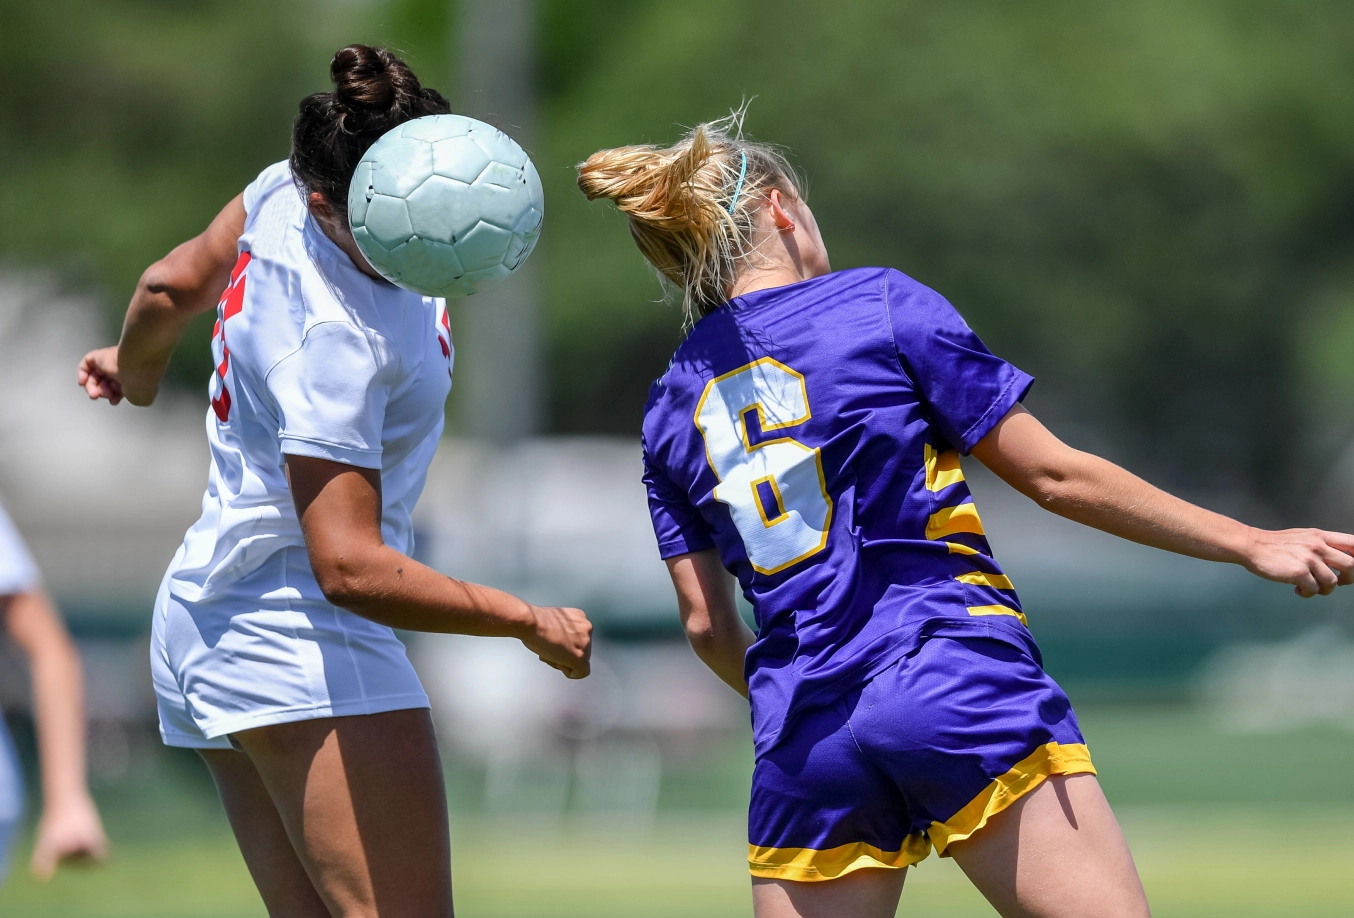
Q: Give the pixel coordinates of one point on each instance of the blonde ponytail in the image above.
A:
(691, 205)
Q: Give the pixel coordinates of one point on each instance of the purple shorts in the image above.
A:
(920, 756)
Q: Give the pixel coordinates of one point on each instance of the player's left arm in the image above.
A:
(705, 600)
(69, 826)
(1098, 493)
(186, 282)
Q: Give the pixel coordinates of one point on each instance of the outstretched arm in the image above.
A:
(340, 510)
(69, 826)
(1095, 492)
(705, 600)
(186, 282)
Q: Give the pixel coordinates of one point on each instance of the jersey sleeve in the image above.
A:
(677, 524)
(331, 395)
(268, 180)
(18, 573)
(968, 388)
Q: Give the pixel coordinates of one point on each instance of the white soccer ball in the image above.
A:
(445, 205)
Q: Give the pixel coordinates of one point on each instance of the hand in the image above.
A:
(562, 639)
(71, 831)
(1313, 560)
(98, 374)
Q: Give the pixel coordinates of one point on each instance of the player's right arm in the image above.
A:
(705, 600)
(186, 282)
(340, 511)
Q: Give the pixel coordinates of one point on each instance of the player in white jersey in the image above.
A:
(272, 648)
(69, 826)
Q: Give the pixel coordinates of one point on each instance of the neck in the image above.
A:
(754, 279)
(348, 246)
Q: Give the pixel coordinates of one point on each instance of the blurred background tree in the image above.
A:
(1148, 206)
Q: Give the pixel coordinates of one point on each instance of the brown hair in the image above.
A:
(373, 92)
(688, 212)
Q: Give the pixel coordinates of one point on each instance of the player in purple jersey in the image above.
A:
(807, 439)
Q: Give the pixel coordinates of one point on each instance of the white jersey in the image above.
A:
(313, 358)
(18, 573)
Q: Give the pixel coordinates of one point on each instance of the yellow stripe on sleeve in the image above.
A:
(942, 469)
(949, 520)
(978, 578)
(959, 548)
(998, 610)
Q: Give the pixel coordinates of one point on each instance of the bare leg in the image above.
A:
(1056, 853)
(869, 893)
(286, 890)
(365, 809)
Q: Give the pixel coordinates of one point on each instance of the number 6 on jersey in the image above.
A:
(775, 488)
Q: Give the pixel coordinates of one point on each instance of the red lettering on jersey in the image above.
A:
(232, 301)
(446, 348)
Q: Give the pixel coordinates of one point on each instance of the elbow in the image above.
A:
(1050, 487)
(157, 283)
(1046, 492)
(700, 635)
(343, 581)
(170, 287)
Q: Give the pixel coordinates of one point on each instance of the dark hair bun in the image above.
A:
(373, 92)
(371, 78)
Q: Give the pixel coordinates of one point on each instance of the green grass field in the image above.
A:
(1221, 825)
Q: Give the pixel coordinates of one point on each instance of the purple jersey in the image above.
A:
(812, 434)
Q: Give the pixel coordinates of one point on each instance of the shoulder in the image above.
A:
(338, 356)
(899, 287)
(912, 305)
(276, 176)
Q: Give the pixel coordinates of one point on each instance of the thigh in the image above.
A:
(870, 893)
(363, 803)
(278, 873)
(1057, 852)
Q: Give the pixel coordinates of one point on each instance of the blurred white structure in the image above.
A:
(562, 521)
(1287, 685)
(103, 495)
(548, 744)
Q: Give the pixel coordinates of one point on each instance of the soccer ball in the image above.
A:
(446, 205)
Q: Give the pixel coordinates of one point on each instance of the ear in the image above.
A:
(784, 222)
(319, 206)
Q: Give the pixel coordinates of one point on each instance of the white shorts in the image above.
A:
(271, 650)
(11, 800)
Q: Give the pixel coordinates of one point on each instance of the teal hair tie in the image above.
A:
(738, 190)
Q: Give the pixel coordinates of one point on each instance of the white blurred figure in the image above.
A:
(69, 827)
(593, 748)
(498, 707)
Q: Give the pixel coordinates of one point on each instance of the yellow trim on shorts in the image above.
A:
(810, 865)
(1049, 759)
